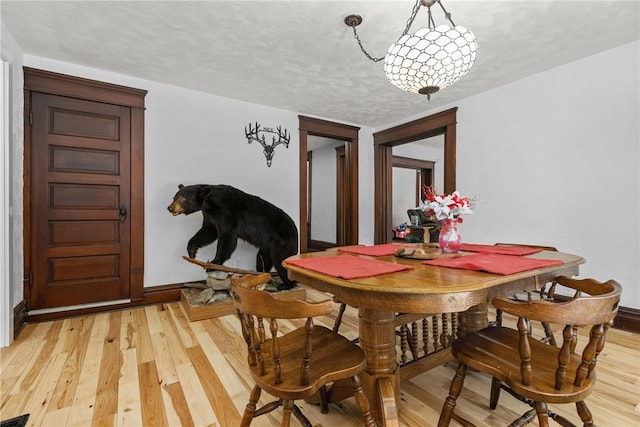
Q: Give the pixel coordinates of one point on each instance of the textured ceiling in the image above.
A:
(300, 56)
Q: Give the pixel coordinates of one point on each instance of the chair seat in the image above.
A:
(494, 350)
(334, 357)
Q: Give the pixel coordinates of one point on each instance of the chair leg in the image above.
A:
(250, 409)
(585, 414)
(550, 338)
(543, 413)
(286, 413)
(525, 419)
(324, 400)
(498, 321)
(454, 392)
(338, 321)
(300, 416)
(496, 386)
(362, 401)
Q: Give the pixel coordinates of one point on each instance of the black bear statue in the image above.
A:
(230, 214)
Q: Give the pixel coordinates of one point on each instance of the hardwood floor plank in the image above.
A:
(142, 341)
(128, 330)
(14, 405)
(57, 417)
(174, 342)
(199, 405)
(177, 401)
(224, 337)
(168, 352)
(153, 409)
(164, 362)
(65, 390)
(29, 378)
(153, 319)
(182, 324)
(8, 354)
(105, 407)
(228, 378)
(129, 404)
(19, 367)
(39, 402)
(217, 395)
(84, 398)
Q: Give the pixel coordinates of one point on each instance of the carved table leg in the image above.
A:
(474, 319)
(381, 379)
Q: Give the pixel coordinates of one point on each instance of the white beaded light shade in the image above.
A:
(430, 59)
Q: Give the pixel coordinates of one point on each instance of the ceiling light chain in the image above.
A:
(355, 35)
(354, 20)
(431, 59)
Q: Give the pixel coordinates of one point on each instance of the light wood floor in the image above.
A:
(150, 366)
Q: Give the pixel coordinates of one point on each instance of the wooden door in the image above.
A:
(80, 201)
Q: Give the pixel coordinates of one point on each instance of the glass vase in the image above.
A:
(449, 239)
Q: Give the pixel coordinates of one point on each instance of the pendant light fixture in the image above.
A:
(428, 60)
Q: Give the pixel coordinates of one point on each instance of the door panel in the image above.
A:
(80, 179)
(72, 159)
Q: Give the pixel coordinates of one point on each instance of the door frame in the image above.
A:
(75, 87)
(342, 197)
(442, 123)
(349, 134)
(424, 169)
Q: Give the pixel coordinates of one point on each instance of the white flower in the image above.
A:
(447, 206)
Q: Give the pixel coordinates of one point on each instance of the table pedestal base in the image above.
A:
(381, 376)
(474, 319)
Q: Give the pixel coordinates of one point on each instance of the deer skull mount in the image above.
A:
(257, 134)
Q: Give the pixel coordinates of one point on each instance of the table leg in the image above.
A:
(381, 378)
(473, 319)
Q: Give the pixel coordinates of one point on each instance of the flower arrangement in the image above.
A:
(445, 206)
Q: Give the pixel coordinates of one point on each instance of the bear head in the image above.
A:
(188, 199)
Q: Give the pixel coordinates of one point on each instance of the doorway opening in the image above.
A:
(410, 176)
(326, 193)
(443, 123)
(347, 198)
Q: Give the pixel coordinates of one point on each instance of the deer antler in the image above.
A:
(283, 138)
(252, 134)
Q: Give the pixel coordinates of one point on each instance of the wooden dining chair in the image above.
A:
(297, 364)
(533, 371)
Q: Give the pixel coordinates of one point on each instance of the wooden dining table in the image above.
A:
(422, 289)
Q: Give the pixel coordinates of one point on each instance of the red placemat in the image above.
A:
(375, 250)
(499, 249)
(494, 263)
(349, 267)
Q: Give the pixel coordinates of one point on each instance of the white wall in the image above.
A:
(554, 159)
(403, 194)
(431, 149)
(366, 179)
(324, 193)
(11, 284)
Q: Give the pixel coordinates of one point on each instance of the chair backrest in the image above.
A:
(255, 305)
(594, 304)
